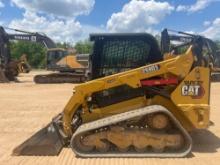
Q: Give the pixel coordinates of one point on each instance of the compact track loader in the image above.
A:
(130, 111)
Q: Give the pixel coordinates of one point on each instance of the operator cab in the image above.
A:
(118, 52)
(53, 56)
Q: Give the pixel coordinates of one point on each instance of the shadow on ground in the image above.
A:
(205, 141)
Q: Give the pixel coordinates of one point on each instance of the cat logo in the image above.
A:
(190, 90)
(193, 89)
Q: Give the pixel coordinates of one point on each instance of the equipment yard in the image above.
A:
(26, 107)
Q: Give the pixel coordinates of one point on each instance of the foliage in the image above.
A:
(64, 45)
(35, 52)
(84, 47)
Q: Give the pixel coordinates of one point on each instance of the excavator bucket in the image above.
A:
(46, 142)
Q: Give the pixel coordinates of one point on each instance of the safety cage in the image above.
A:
(113, 53)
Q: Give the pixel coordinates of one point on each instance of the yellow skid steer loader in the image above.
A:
(145, 111)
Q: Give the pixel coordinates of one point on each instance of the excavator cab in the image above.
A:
(59, 59)
(69, 68)
(54, 55)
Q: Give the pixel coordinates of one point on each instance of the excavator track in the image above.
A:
(59, 78)
(114, 137)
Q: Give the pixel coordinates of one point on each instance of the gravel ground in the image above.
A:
(26, 107)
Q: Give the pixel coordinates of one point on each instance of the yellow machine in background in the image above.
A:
(67, 67)
(14, 67)
(9, 67)
(157, 105)
(23, 65)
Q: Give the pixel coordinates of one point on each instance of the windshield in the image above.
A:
(53, 56)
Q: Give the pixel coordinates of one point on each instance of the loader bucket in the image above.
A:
(46, 142)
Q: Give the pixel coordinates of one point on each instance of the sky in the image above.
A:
(73, 20)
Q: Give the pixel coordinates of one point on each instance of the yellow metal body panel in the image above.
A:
(192, 96)
(70, 61)
(115, 109)
(179, 66)
(167, 103)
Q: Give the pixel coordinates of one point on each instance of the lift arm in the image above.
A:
(132, 78)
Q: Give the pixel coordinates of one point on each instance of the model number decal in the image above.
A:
(151, 68)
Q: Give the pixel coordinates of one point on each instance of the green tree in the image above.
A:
(35, 52)
(84, 47)
(64, 45)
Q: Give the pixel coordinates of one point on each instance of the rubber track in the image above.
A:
(126, 116)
